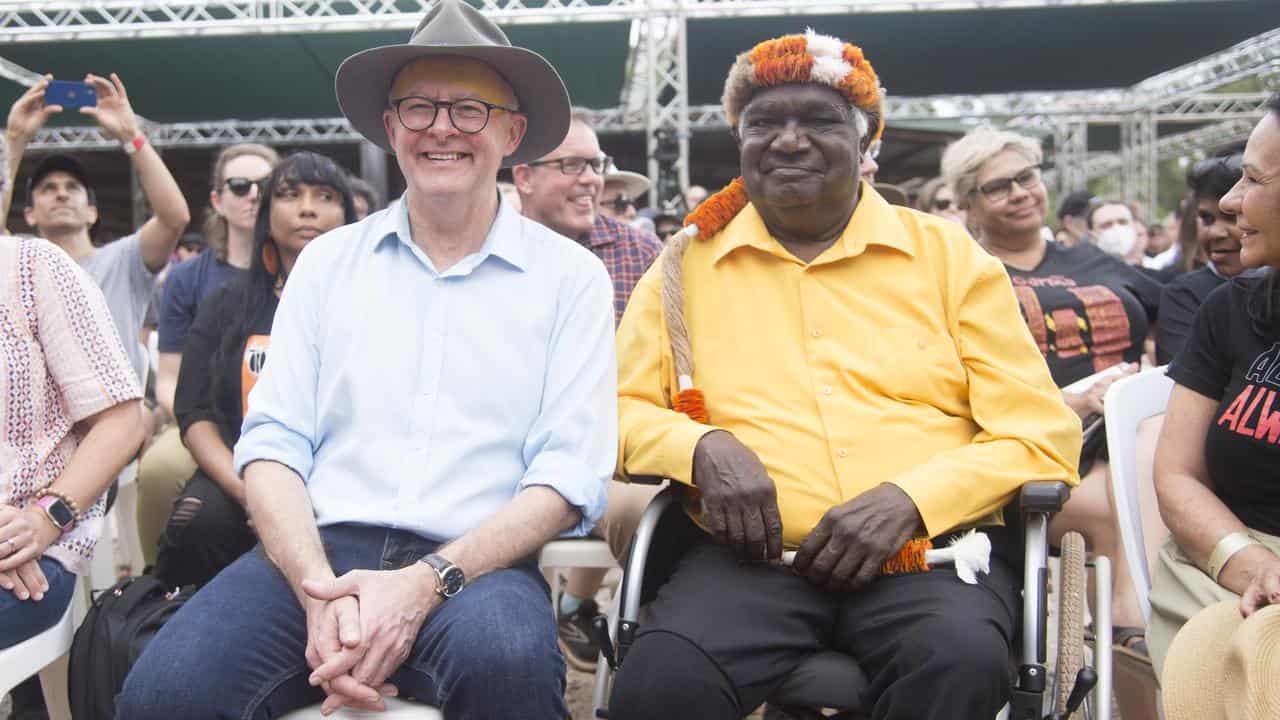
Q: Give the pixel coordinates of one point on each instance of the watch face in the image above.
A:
(61, 514)
(453, 581)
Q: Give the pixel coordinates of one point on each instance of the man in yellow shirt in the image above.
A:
(860, 375)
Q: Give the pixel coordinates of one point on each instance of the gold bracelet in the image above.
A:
(1226, 549)
(75, 509)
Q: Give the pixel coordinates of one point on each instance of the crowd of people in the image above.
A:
(363, 422)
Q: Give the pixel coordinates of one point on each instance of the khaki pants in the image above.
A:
(1179, 590)
(162, 473)
(627, 502)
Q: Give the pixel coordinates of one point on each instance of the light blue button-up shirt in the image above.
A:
(422, 400)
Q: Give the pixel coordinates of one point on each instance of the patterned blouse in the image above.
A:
(61, 361)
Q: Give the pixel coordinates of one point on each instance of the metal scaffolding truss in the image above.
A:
(58, 20)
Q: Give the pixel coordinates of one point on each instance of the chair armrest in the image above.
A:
(646, 479)
(1043, 497)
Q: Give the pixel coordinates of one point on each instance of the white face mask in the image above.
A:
(1117, 240)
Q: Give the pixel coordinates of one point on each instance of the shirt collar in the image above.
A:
(504, 241)
(874, 222)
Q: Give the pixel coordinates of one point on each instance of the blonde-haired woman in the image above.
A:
(1087, 311)
(235, 188)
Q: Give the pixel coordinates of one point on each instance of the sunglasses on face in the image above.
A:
(240, 186)
(620, 203)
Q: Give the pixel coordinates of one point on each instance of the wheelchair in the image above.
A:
(831, 684)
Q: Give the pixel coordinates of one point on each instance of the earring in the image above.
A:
(270, 258)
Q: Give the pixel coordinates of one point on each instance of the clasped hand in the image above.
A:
(845, 550)
(360, 629)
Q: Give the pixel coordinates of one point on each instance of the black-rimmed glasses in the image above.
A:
(240, 186)
(620, 203)
(998, 190)
(468, 116)
(578, 165)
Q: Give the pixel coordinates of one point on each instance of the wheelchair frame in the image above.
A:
(1036, 502)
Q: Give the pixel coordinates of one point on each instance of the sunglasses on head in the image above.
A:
(620, 203)
(240, 186)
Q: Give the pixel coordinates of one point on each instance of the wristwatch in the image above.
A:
(59, 513)
(451, 577)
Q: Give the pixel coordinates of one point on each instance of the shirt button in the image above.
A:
(816, 333)
(826, 390)
(842, 452)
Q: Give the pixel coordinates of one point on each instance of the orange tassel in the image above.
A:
(693, 403)
(910, 559)
(270, 258)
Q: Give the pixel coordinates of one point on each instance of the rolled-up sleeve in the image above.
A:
(1027, 433)
(281, 423)
(571, 447)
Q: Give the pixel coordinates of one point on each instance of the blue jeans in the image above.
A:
(236, 649)
(24, 619)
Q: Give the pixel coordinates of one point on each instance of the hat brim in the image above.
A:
(364, 80)
(633, 184)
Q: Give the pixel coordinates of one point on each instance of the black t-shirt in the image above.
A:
(199, 396)
(1087, 310)
(1178, 305)
(1228, 360)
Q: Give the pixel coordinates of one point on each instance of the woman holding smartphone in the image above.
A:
(306, 195)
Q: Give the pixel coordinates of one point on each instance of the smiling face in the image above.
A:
(1021, 212)
(1218, 235)
(440, 159)
(564, 203)
(798, 147)
(1255, 199)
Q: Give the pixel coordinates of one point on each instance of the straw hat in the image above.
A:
(633, 184)
(453, 28)
(1224, 667)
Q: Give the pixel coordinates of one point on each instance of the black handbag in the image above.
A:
(117, 628)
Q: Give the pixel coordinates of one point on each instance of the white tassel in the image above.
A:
(971, 554)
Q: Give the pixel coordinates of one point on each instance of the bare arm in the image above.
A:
(214, 457)
(160, 234)
(28, 115)
(167, 380)
(1195, 515)
(281, 511)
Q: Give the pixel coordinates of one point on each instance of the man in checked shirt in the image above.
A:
(562, 191)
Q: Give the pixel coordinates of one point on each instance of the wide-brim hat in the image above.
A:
(1221, 666)
(633, 184)
(454, 28)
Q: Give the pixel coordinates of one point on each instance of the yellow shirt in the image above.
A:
(898, 355)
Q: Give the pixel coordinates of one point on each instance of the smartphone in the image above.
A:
(70, 94)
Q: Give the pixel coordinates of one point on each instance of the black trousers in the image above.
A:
(206, 532)
(723, 635)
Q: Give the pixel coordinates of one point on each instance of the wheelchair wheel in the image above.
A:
(1071, 609)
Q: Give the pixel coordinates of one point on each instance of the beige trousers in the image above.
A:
(627, 502)
(162, 473)
(1179, 590)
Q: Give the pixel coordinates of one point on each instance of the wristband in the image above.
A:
(1226, 549)
(134, 145)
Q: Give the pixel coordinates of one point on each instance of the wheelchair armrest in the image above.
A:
(1043, 497)
(646, 479)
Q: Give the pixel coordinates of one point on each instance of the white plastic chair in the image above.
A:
(44, 654)
(1127, 404)
(396, 710)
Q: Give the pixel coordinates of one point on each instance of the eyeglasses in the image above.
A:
(998, 190)
(620, 203)
(240, 186)
(468, 116)
(578, 165)
(942, 204)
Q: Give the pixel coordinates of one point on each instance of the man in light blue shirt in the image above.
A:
(440, 401)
